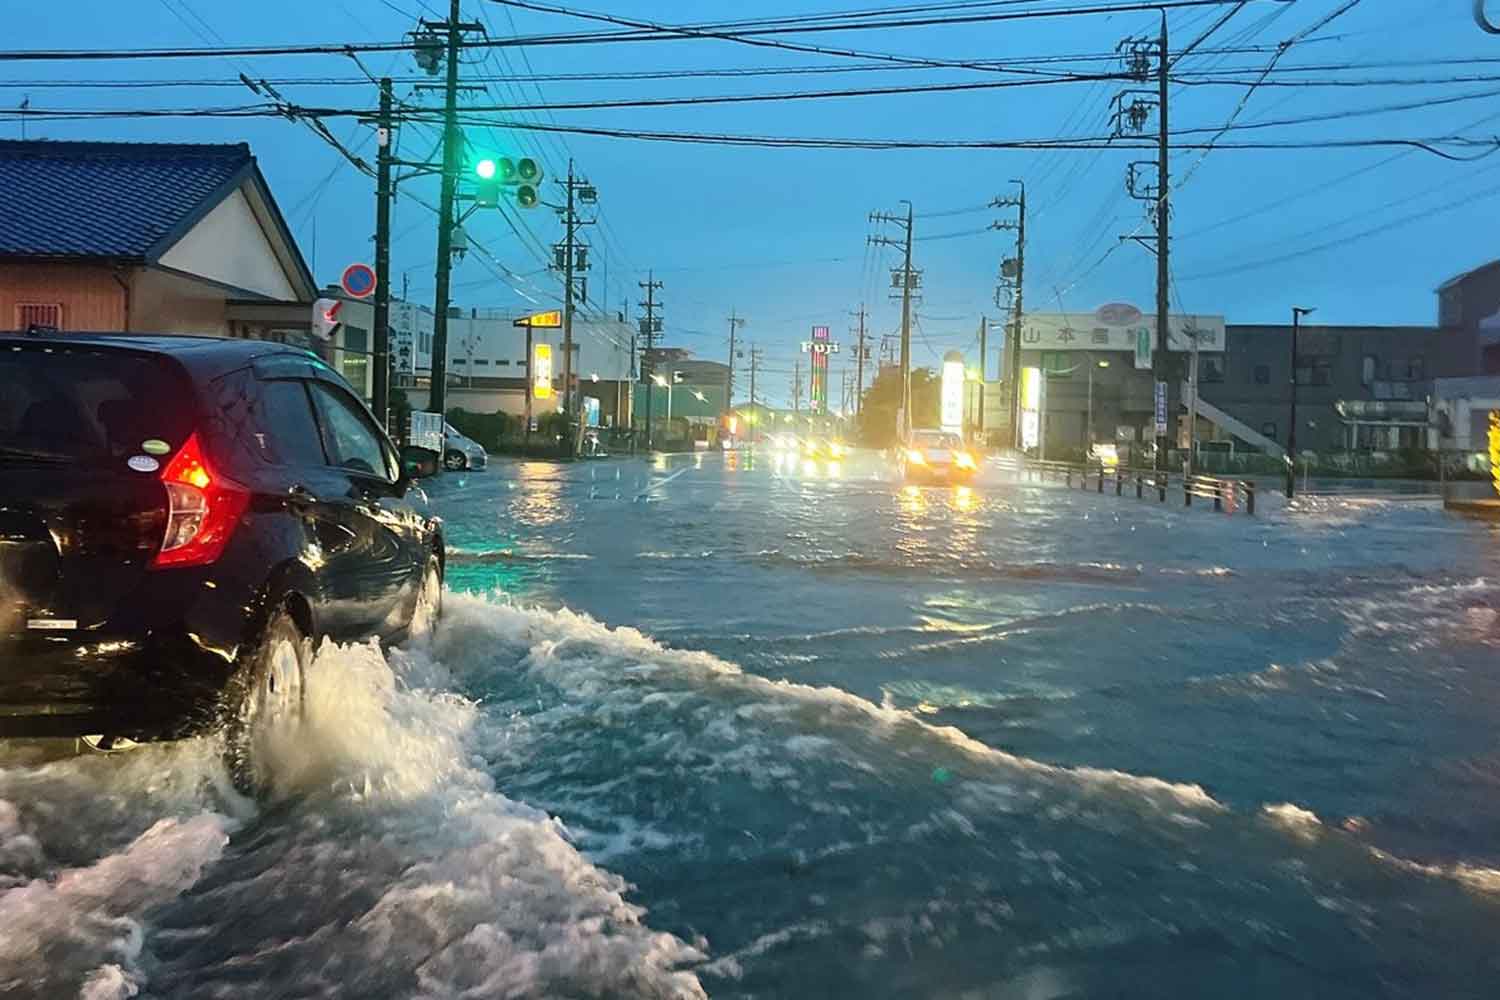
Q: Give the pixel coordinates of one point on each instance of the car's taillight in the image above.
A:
(203, 508)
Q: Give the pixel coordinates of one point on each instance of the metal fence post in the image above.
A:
(1069, 472)
(1101, 478)
(1219, 493)
(1161, 487)
(1119, 482)
(1187, 492)
(1250, 498)
(1138, 484)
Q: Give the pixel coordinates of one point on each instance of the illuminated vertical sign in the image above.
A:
(1031, 407)
(541, 371)
(1495, 449)
(951, 399)
(819, 370)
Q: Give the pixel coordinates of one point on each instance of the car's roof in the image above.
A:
(203, 356)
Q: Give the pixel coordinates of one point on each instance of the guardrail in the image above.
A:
(1226, 495)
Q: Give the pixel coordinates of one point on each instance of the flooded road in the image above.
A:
(736, 727)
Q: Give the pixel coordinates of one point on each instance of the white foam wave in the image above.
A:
(1293, 819)
(81, 930)
(595, 662)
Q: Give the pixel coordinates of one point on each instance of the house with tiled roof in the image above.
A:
(154, 237)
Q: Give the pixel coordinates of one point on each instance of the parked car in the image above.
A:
(181, 518)
(461, 453)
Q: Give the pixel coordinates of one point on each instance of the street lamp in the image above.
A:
(1291, 435)
(659, 380)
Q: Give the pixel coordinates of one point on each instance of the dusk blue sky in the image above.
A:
(780, 235)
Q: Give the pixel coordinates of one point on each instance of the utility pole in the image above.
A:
(452, 140)
(568, 224)
(984, 341)
(1132, 112)
(650, 327)
(859, 363)
(754, 364)
(1291, 433)
(382, 332)
(1013, 340)
(1163, 233)
(735, 322)
(571, 257)
(908, 282)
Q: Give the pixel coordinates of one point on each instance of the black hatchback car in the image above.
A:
(181, 518)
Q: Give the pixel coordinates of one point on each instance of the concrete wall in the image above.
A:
(168, 303)
(90, 297)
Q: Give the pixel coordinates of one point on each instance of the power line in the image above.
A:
(651, 32)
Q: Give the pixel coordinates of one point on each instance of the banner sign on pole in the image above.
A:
(1161, 408)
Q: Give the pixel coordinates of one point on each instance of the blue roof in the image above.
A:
(109, 199)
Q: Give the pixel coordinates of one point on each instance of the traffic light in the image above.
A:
(492, 173)
(486, 183)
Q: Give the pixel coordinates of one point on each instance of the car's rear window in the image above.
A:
(90, 405)
(935, 439)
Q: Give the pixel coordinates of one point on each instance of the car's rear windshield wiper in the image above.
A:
(8, 453)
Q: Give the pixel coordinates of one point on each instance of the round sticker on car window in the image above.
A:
(143, 463)
(155, 446)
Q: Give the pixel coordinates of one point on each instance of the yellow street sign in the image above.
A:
(547, 320)
(1495, 449)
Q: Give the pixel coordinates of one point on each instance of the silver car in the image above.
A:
(461, 453)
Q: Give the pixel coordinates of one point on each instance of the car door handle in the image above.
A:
(299, 492)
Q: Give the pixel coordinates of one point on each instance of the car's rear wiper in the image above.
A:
(33, 455)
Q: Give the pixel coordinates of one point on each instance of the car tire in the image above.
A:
(455, 461)
(263, 700)
(428, 609)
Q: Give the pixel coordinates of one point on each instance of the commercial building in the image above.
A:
(488, 367)
(1358, 387)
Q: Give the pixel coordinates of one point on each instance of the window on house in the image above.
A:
(30, 314)
(1311, 372)
(1056, 364)
(1269, 429)
(1369, 369)
(481, 361)
(1262, 374)
(505, 364)
(1415, 367)
(1210, 369)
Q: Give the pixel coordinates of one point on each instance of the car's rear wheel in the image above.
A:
(455, 461)
(429, 606)
(264, 702)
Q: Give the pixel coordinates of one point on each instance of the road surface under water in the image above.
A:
(726, 726)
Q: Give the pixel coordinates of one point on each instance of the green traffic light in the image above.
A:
(485, 169)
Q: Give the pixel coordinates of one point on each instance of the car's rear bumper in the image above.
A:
(78, 683)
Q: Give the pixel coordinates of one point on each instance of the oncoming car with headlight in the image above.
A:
(936, 455)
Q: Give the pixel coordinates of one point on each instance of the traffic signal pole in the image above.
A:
(438, 397)
(382, 333)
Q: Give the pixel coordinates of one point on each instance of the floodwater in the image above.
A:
(735, 727)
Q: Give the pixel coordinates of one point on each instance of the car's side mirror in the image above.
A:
(418, 463)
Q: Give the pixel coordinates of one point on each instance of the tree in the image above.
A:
(877, 421)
